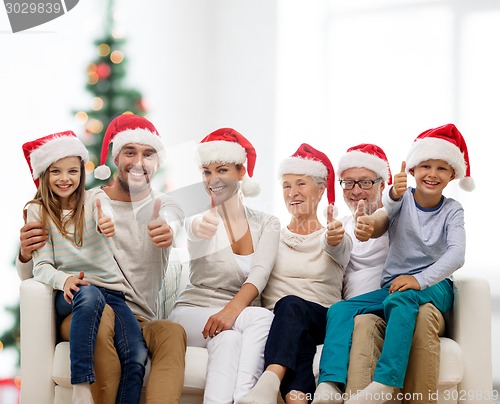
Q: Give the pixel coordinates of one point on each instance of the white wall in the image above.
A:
(212, 64)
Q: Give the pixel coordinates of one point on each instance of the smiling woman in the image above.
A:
(305, 280)
(222, 180)
(302, 194)
(232, 250)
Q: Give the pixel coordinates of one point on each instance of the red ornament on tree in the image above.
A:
(141, 105)
(103, 70)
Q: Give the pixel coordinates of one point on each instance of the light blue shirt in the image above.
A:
(426, 243)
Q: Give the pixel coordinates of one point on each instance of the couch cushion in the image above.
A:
(451, 369)
(194, 375)
(196, 369)
(61, 371)
(451, 363)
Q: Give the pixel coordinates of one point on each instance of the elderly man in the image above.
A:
(364, 172)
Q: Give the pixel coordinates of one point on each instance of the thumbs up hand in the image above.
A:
(206, 226)
(334, 229)
(400, 183)
(104, 223)
(365, 224)
(360, 209)
(159, 231)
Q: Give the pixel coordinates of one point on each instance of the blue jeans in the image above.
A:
(400, 311)
(86, 310)
(298, 326)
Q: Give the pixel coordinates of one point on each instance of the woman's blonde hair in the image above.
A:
(51, 208)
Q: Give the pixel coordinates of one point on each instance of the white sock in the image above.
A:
(374, 393)
(82, 394)
(327, 392)
(265, 390)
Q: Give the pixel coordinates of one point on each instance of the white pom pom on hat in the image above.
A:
(102, 172)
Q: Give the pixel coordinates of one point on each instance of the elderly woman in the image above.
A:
(305, 280)
(232, 251)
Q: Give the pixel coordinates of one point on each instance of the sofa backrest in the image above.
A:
(175, 280)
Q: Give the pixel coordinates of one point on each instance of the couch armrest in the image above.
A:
(38, 340)
(470, 327)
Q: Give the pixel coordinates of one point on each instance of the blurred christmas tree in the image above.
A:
(10, 338)
(105, 81)
(111, 97)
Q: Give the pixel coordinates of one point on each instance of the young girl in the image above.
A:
(232, 250)
(78, 263)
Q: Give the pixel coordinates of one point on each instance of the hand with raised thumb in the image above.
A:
(400, 183)
(205, 227)
(330, 213)
(156, 210)
(360, 209)
(104, 223)
(365, 224)
(159, 230)
(334, 228)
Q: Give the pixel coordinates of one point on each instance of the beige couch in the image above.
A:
(465, 368)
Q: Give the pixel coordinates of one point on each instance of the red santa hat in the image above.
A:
(229, 146)
(41, 153)
(443, 143)
(309, 161)
(125, 129)
(367, 156)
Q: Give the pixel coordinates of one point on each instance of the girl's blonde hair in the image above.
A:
(51, 208)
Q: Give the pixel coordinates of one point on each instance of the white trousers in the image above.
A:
(235, 357)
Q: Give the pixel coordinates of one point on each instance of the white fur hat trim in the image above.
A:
(436, 149)
(220, 150)
(357, 159)
(55, 149)
(301, 166)
(139, 136)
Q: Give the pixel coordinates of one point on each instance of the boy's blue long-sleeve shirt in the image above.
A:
(426, 243)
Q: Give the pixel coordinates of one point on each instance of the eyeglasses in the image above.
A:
(363, 184)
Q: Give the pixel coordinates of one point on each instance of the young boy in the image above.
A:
(427, 244)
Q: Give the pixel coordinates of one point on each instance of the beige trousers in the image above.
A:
(423, 366)
(166, 342)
